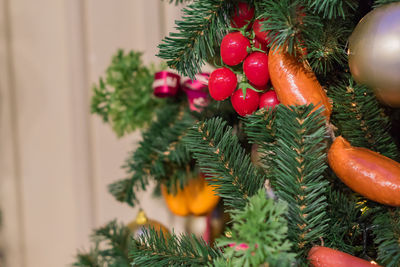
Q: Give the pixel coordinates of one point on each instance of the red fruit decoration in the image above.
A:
(327, 257)
(242, 16)
(268, 100)
(222, 83)
(261, 36)
(234, 48)
(259, 45)
(245, 106)
(255, 67)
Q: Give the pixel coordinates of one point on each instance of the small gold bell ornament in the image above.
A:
(142, 222)
(374, 53)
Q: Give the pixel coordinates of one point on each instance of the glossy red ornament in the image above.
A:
(268, 100)
(255, 66)
(262, 36)
(327, 257)
(245, 106)
(234, 48)
(259, 45)
(222, 83)
(242, 16)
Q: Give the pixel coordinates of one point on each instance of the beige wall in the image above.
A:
(55, 158)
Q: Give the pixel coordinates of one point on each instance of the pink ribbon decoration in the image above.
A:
(167, 84)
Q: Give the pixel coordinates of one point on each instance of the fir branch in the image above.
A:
(111, 247)
(379, 3)
(286, 22)
(159, 153)
(360, 118)
(344, 211)
(219, 154)
(387, 236)
(260, 130)
(124, 98)
(202, 27)
(300, 164)
(154, 249)
(332, 9)
(262, 228)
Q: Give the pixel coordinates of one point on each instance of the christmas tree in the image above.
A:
(295, 131)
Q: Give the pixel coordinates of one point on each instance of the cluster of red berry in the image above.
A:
(247, 45)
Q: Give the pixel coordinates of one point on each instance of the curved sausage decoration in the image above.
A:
(327, 257)
(368, 173)
(294, 83)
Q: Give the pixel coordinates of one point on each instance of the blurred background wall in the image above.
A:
(56, 160)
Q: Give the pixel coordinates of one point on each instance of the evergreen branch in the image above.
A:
(332, 9)
(261, 227)
(300, 164)
(152, 248)
(379, 3)
(159, 153)
(344, 211)
(260, 130)
(360, 118)
(286, 22)
(387, 236)
(203, 25)
(111, 247)
(219, 154)
(125, 98)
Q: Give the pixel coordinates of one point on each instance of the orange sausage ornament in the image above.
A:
(327, 257)
(366, 172)
(197, 197)
(294, 83)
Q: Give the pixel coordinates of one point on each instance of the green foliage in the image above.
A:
(160, 154)
(154, 249)
(262, 226)
(111, 247)
(378, 3)
(202, 27)
(300, 162)
(344, 211)
(387, 236)
(287, 23)
(124, 98)
(332, 8)
(219, 154)
(360, 118)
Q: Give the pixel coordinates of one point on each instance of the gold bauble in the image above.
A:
(374, 52)
(142, 222)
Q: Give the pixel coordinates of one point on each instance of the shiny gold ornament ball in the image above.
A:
(374, 53)
(142, 222)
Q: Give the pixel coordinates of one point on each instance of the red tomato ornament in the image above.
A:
(268, 100)
(242, 16)
(262, 36)
(222, 83)
(259, 45)
(245, 106)
(327, 257)
(234, 48)
(255, 67)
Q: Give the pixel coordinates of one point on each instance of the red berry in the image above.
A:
(245, 106)
(268, 100)
(259, 45)
(242, 16)
(255, 67)
(222, 83)
(262, 36)
(234, 48)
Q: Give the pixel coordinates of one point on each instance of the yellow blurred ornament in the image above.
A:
(142, 222)
(374, 53)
